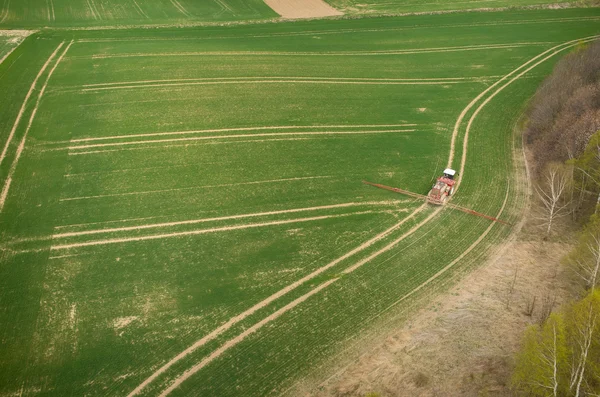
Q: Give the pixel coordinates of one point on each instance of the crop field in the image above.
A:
(60, 13)
(416, 6)
(182, 213)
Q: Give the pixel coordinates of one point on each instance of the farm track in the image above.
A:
(520, 71)
(21, 147)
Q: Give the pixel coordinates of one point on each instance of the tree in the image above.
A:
(562, 357)
(584, 259)
(587, 170)
(552, 193)
(541, 363)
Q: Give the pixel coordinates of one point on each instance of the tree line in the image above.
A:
(561, 355)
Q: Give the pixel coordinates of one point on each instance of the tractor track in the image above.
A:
(21, 147)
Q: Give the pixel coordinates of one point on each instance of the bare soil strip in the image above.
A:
(281, 127)
(234, 341)
(337, 53)
(24, 105)
(95, 145)
(222, 218)
(33, 113)
(196, 187)
(300, 9)
(234, 320)
(17, 37)
(201, 231)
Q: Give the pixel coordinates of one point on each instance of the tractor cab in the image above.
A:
(449, 173)
(442, 188)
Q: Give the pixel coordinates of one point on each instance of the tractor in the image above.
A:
(442, 188)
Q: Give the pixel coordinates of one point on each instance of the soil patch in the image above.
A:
(297, 9)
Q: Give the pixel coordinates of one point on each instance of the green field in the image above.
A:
(69, 13)
(181, 210)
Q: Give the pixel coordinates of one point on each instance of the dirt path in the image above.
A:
(299, 9)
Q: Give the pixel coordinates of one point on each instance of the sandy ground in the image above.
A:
(463, 343)
(296, 9)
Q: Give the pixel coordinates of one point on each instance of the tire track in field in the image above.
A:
(222, 218)
(196, 187)
(21, 147)
(476, 99)
(206, 80)
(443, 79)
(336, 53)
(202, 231)
(234, 320)
(202, 138)
(93, 9)
(228, 344)
(24, 105)
(260, 82)
(140, 10)
(190, 144)
(180, 8)
(5, 10)
(262, 128)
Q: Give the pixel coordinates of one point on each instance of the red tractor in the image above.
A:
(443, 188)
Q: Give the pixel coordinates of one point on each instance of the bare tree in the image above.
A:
(552, 196)
(588, 269)
(548, 303)
(530, 305)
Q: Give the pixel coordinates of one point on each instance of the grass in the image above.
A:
(152, 204)
(69, 13)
